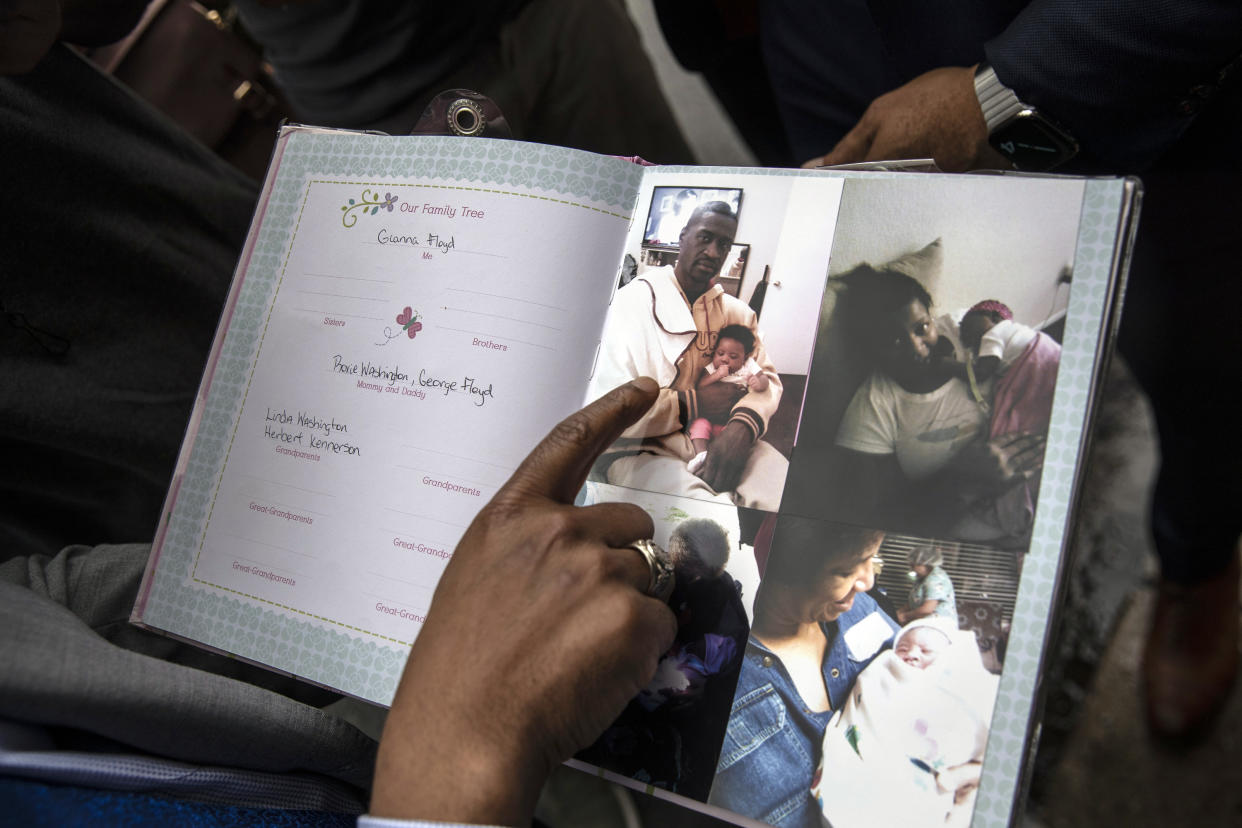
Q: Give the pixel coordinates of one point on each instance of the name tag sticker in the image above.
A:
(865, 638)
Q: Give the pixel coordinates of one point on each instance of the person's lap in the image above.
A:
(72, 661)
(762, 482)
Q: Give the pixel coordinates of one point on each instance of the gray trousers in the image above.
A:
(73, 662)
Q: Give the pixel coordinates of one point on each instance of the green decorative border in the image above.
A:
(376, 204)
(1084, 345)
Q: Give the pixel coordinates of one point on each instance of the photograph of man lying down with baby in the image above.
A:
(931, 385)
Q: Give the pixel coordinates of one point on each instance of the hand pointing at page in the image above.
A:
(538, 635)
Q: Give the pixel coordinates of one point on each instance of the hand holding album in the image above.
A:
(541, 621)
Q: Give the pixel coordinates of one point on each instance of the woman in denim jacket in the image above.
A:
(814, 630)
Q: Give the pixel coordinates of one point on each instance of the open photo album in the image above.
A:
(876, 392)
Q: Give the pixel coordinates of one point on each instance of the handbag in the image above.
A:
(194, 64)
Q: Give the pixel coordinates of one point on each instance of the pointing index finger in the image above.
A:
(557, 467)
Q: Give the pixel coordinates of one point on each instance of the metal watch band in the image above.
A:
(998, 102)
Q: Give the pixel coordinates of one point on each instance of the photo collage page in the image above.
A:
(843, 463)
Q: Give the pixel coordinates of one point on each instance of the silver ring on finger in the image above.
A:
(661, 566)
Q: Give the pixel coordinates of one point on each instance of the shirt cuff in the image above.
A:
(748, 418)
(368, 821)
(687, 407)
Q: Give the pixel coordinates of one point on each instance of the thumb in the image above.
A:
(558, 466)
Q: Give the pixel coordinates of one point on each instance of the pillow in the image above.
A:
(923, 265)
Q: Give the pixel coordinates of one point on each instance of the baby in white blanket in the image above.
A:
(905, 748)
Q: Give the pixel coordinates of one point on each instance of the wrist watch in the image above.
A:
(1018, 131)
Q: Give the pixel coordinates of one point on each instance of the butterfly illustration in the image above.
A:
(408, 320)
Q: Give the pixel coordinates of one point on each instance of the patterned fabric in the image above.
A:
(36, 804)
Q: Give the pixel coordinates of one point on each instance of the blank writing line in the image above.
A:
(425, 517)
(270, 545)
(493, 336)
(506, 298)
(388, 577)
(500, 466)
(350, 278)
(501, 316)
(286, 485)
(342, 296)
(479, 253)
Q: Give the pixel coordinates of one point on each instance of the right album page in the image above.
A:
(899, 591)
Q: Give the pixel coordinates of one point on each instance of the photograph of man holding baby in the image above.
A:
(724, 424)
(931, 385)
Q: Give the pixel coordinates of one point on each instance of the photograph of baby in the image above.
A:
(860, 704)
(907, 747)
(908, 744)
(730, 350)
(972, 586)
(669, 735)
(931, 387)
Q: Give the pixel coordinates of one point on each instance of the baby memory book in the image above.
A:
(905, 368)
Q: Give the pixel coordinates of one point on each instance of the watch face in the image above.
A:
(1032, 143)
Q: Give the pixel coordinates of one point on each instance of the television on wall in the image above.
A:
(671, 208)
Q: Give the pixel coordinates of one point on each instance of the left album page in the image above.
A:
(409, 317)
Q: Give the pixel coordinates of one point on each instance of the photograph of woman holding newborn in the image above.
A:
(814, 630)
(842, 716)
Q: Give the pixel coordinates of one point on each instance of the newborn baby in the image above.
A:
(905, 747)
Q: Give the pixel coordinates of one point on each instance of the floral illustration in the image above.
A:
(370, 204)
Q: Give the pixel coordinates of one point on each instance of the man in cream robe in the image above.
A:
(664, 325)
